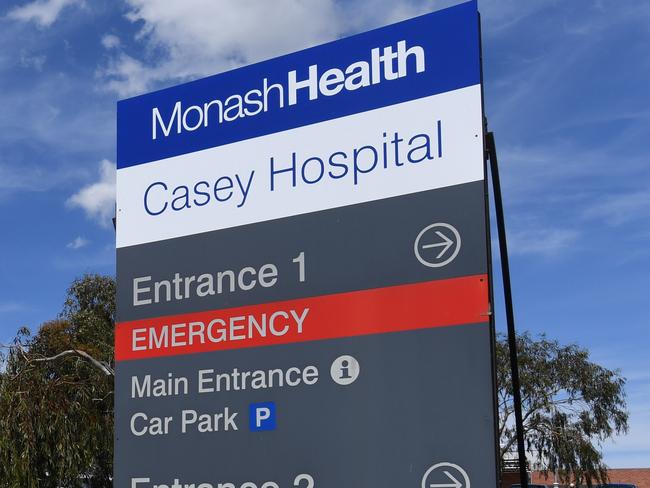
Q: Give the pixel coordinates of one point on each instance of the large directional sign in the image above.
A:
(303, 288)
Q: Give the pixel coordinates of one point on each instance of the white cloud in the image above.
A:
(361, 16)
(203, 37)
(500, 15)
(77, 243)
(51, 114)
(98, 199)
(110, 41)
(8, 307)
(43, 12)
(28, 178)
(102, 257)
(622, 208)
(541, 240)
(28, 61)
(127, 76)
(17, 178)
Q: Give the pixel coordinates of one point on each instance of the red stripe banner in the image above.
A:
(438, 303)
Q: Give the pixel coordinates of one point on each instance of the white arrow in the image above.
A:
(455, 484)
(447, 244)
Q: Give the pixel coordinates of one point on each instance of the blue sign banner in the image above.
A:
(424, 56)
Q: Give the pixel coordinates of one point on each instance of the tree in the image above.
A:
(56, 395)
(570, 406)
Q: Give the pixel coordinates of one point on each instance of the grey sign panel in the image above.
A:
(405, 412)
(363, 246)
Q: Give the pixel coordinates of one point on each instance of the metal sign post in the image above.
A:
(510, 314)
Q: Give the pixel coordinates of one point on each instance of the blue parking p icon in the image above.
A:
(261, 416)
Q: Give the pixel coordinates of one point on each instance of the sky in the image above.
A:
(566, 94)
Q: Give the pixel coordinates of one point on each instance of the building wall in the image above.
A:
(638, 476)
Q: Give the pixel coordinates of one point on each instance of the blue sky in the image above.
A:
(566, 94)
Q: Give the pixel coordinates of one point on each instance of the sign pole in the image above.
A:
(510, 315)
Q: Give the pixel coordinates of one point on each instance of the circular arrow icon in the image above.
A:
(445, 475)
(437, 245)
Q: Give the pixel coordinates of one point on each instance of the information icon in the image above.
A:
(345, 370)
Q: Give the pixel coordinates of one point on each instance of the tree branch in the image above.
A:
(107, 370)
(506, 447)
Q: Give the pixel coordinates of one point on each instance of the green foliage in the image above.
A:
(56, 426)
(570, 406)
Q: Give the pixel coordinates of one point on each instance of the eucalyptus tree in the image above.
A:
(570, 405)
(56, 395)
